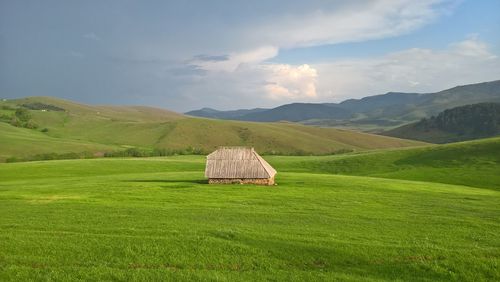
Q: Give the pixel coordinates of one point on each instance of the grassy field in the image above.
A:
(155, 219)
(99, 129)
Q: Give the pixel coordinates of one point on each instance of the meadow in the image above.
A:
(420, 214)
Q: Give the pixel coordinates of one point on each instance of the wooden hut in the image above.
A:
(238, 165)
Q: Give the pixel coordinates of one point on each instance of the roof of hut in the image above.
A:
(237, 162)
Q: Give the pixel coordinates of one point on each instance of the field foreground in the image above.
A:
(156, 219)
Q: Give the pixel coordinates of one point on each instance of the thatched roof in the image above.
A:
(237, 162)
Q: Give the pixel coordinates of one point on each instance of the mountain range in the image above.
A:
(372, 113)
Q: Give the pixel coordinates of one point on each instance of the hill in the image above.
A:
(373, 113)
(471, 163)
(99, 129)
(452, 125)
(157, 219)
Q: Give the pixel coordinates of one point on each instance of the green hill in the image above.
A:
(101, 129)
(452, 125)
(472, 163)
(156, 219)
(21, 142)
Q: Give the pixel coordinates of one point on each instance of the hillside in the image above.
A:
(99, 129)
(372, 113)
(390, 215)
(471, 163)
(452, 125)
(22, 142)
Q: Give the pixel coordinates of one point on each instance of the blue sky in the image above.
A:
(184, 55)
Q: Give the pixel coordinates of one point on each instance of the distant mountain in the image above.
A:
(212, 113)
(298, 112)
(371, 113)
(456, 124)
(390, 99)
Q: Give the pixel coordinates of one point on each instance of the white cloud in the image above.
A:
(356, 21)
(413, 70)
(235, 60)
(472, 47)
(290, 82)
(253, 85)
(278, 81)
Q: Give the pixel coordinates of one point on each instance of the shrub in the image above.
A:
(304, 153)
(15, 121)
(12, 160)
(51, 156)
(23, 114)
(31, 124)
(5, 107)
(5, 118)
(42, 106)
(157, 152)
(130, 152)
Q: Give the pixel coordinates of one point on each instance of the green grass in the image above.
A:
(22, 142)
(118, 127)
(155, 219)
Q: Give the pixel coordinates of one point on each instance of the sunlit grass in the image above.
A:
(157, 219)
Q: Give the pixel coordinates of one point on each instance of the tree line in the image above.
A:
(481, 119)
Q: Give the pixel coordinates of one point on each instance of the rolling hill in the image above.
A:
(370, 113)
(471, 163)
(452, 125)
(101, 129)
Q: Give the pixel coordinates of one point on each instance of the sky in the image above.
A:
(226, 54)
